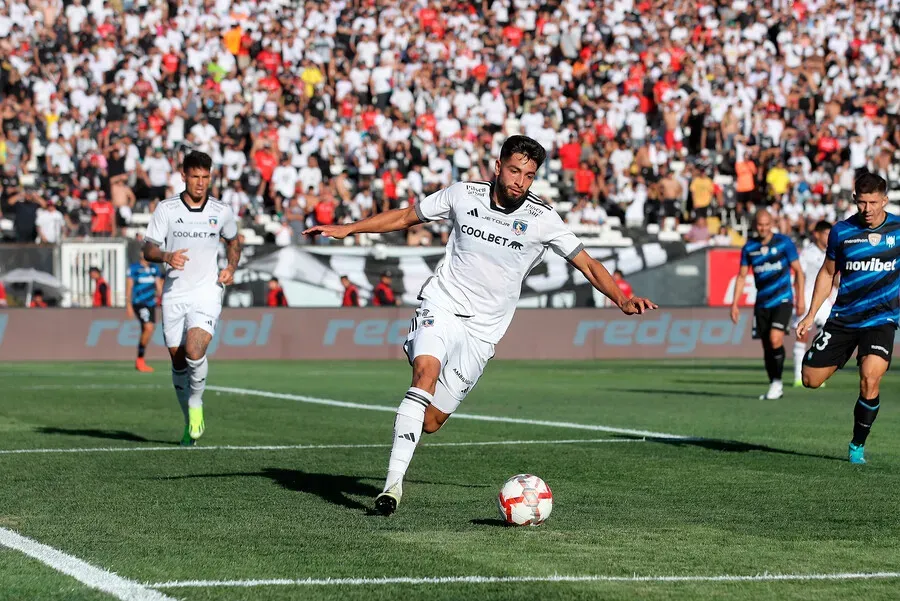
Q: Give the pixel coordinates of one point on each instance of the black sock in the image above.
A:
(141, 349)
(769, 361)
(864, 414)
(777, 363)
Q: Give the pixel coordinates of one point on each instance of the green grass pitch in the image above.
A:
(764, 488)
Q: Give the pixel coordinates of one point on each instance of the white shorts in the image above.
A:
(438, 333)
(178, 318)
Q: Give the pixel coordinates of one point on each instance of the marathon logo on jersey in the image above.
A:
(476, 190)
(489, 237)
(767, 267)
(875, 264)
(519, 227)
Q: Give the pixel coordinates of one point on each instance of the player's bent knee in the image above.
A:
(810, 382)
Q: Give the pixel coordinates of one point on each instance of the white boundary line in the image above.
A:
(765, 577)
(301, 447)
(484, 418)
(91, 576)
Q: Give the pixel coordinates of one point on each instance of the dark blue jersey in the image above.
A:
(867, 261)
(143, 291)
(771, 267)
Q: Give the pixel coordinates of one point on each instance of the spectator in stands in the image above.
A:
(101, 288)
(24, 207)
(383, 295)
(351, 293)
(103, 215)
(623, 285)
(276, 296)
(50, 222)
(2, 295)
(37, 300)
(702, 190)
(699, 231)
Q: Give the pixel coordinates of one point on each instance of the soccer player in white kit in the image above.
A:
(184, 234)
(500, 233)
(811, 259)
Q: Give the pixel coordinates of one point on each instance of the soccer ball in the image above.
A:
(525, 500)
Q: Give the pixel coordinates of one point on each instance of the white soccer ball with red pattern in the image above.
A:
(525, 500)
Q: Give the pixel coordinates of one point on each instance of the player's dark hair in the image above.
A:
(822, 226)
(274, 280)
(869, 183)
(523, 145)
(197, 160)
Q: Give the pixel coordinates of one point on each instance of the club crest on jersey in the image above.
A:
(519, 227)
(764, 250)
(428, 322)
(213, 221)
(890, 241)
(874, 239)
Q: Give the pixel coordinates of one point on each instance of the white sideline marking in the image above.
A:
(91, 576)
(487, 443)
(765, 577)
(484, 418)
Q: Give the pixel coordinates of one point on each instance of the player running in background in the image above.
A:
(184, 233)
(811, 259)
(864, 250)
(500, 232)
(771, 256)
(142, 288)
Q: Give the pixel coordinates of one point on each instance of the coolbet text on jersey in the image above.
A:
(867, 262)
(771, 267)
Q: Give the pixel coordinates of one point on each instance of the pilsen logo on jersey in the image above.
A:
(874, 239)
(519, 227)
(476, 190)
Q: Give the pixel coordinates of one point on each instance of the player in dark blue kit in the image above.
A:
(771, 257)
(864, 250)
(143, 286)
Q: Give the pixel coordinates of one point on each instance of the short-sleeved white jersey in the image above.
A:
(811, 259)
(490, 252)
(173, 226)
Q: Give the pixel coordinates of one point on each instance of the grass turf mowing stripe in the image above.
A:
(765, 577)
(300, 447)
(91, 576)
(484, 418)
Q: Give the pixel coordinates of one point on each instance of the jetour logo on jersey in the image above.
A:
(875, 264)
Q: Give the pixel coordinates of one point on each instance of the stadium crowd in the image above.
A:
(317, 112)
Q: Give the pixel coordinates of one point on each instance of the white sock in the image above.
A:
(197, 370)
(407, 433)
(799, 349)
(182, 389)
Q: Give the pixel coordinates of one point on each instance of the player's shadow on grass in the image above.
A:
(105, 434)
(497, 522)
(736, 446)
(757, 382)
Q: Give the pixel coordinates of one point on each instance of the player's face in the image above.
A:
(196, 182)
(821, 238)
(871, 207)
(764, 226)
(514, 178)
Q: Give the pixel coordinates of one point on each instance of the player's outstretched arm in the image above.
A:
(389, 221)
(799, 286)
(738, 292)
(824, 284)
(600, 279)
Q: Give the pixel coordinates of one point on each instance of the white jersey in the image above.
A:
(490, 252)
(174, 226)
(811, 259)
